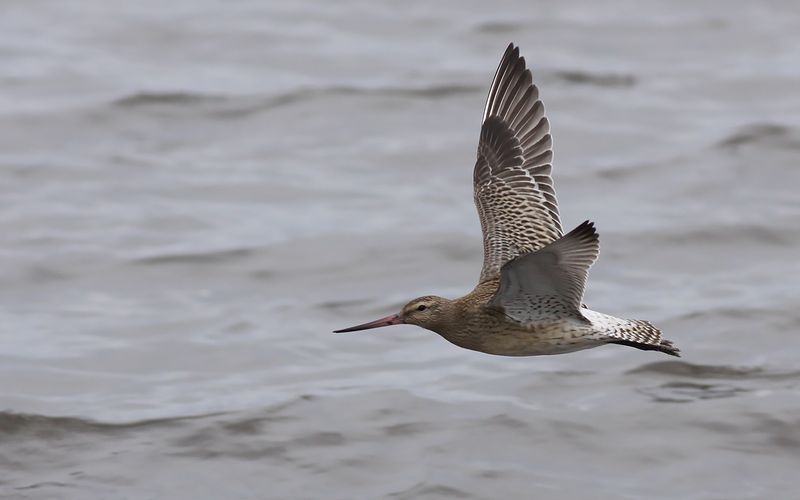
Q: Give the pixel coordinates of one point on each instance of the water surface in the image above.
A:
(194, 194)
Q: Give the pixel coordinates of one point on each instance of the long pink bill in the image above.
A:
(394, 319)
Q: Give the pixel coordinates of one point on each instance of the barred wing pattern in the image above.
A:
(550, 280)
(513, 189)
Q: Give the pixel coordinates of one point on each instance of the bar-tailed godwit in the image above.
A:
(529, 299)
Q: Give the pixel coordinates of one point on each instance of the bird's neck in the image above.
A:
(447, 317)
(457, 317)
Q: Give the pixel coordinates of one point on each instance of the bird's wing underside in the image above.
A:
(513, 189)
(551, 280)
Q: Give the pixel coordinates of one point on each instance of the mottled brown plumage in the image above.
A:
(513, 189)
(528, 300)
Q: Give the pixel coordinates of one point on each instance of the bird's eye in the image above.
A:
(421, 307)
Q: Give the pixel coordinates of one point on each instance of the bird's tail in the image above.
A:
(631, 332)
(643, 335)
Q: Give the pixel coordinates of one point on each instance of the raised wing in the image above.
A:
(513, 189)
(550, 279)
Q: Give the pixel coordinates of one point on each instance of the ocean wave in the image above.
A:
(43, 426)
(686, 392)
(699, 371)
(242, 105)
(498, 27)
(762, 133)
(216, 256)
(598, 79)
(431, 490)
(140, 99)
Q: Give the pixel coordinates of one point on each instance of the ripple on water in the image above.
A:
(702, 382)
(700, 371)
(47, 427)
(427, 490)
(598, 79)
(761, 133)
(219, 256)
(243, 106)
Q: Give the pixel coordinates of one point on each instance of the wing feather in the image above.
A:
(551, 279)
(514, 191)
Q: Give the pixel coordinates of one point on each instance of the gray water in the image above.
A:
(194, 194)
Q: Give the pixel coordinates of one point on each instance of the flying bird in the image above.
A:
(529, 299)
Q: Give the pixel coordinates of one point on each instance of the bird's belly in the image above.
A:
(555, 337)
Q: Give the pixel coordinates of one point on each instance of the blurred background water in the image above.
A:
(194, 194)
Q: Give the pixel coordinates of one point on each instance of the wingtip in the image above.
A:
(511, 53)
(585, 228)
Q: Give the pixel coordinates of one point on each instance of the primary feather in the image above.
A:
(513, 189)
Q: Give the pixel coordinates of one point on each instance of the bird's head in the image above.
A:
(427, 312)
